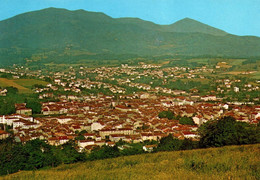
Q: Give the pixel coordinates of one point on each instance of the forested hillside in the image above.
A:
(60, 32)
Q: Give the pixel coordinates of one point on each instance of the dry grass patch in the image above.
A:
(23, 85)
(10, 82)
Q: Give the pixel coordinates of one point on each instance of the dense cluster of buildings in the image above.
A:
(98, 119)
(132, 118)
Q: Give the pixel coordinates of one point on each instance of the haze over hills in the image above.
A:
(56, 29)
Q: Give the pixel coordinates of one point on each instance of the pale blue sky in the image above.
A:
(240, 17)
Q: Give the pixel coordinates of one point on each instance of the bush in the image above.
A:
(186, 120)
(35, 106)
(170, 143)
(228, 131)
(166, 114)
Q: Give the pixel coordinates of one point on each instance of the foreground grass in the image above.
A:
(232, 162)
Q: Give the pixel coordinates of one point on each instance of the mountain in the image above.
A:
(55, 29)
(188, 25)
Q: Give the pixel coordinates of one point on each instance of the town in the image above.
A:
(104, 105)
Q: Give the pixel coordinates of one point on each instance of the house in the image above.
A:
(198, 119)
(84, 143)
(54, 141)
(116, 137)
(58, 140)
(50, 109)
(89, 135)
(236, 89)
(178, 92)
(22, 109)
(95, 126)
(189, 134)
(4, 134)
(209, 98)
(149, 136)
(100, 143)
(112, 144)
(98, 138)
(63, 139)
(3, 92)
(9, 120)
(64, 119)
(106, 132)
(123, 108)
(25, 111)
(149, 148)
(88, 148)
(2, 119)
(144, 96)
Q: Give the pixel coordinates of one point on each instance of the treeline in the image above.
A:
(37, 154)
(228, 131)
(7, 102)
(7, 105)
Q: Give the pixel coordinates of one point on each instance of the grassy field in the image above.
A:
(28, 83)
(256, 75)
(23, 85)
(203, 81)
(231, 162)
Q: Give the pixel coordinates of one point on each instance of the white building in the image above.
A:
(236, 89)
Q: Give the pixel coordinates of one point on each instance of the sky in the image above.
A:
(239, 17)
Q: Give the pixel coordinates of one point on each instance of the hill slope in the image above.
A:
(233, 162)
(57, 29)
(188, 25)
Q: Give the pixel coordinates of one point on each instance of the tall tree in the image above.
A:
(35, 106)
(228, 131)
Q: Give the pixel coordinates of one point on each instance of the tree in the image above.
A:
(39, 154)
(104, 152)
(82, 132)
(38, 86)
(166, 114)
(188, 144)
(11, 90)
(35, 106)
(35, 154)
(7, 107)
(228, 131)
(32, 155)
(136, 148)
(80, 137)
(169, 143)
(186, 120)
(70, 155)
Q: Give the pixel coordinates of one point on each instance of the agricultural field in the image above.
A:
(230, 162)
(28, 83)
(23, 85)
(256, 75)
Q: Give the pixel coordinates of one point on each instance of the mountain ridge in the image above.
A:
(105, 17)
(191, 25)
(52, 28)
